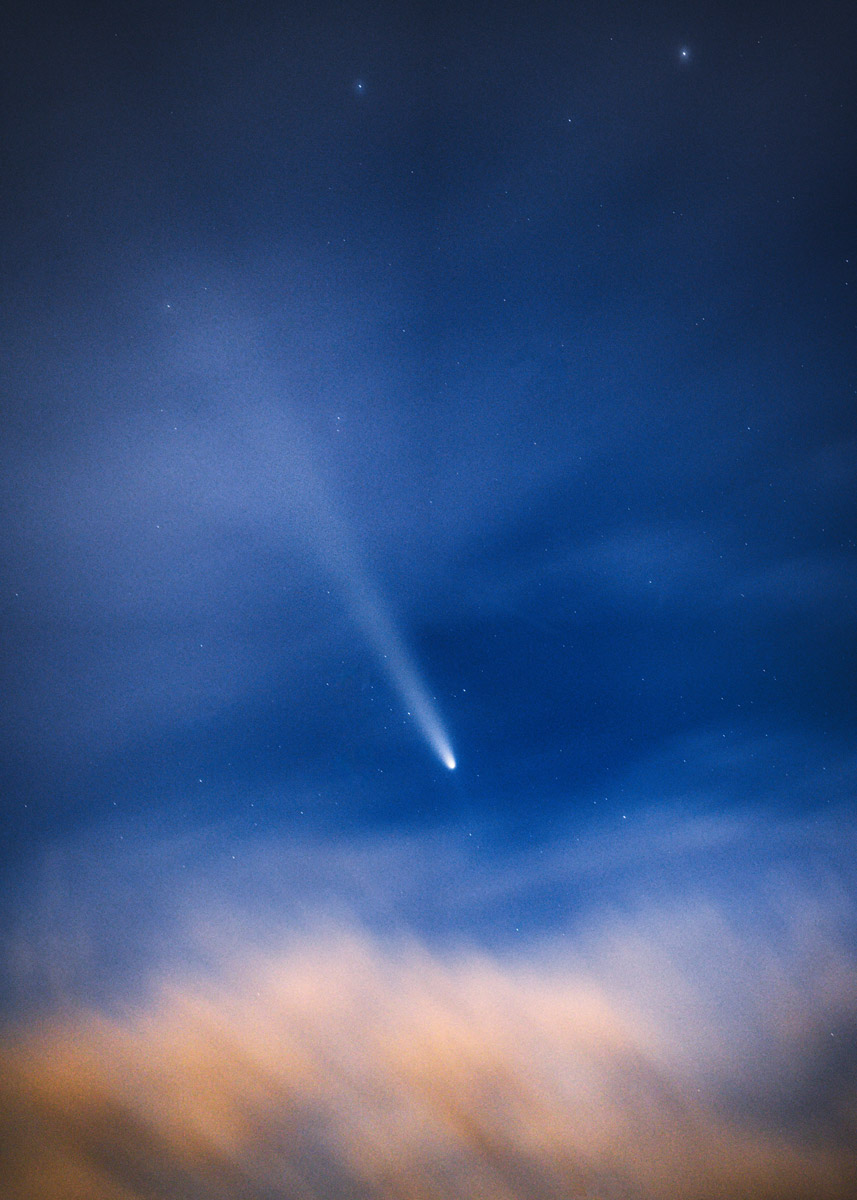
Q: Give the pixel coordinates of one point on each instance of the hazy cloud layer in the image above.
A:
(693, 1037)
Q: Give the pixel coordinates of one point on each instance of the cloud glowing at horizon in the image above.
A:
(680, 1046)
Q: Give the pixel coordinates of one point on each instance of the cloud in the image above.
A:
(822, 583)
(345, 1067)
(694, 1036)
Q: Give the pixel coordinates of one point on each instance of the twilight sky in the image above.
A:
(386, 383)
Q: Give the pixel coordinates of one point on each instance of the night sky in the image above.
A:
(429, 595)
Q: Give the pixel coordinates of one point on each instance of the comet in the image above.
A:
(373, 618)
(331, 541)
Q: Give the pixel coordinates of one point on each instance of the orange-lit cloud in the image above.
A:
(347, 1066)
(203, 1018)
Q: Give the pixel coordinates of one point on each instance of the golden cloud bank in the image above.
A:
(347, 1067)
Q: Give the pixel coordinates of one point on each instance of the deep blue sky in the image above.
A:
(548, 328)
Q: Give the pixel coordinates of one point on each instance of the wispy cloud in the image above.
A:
(346, 1067)
(690, 1040)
